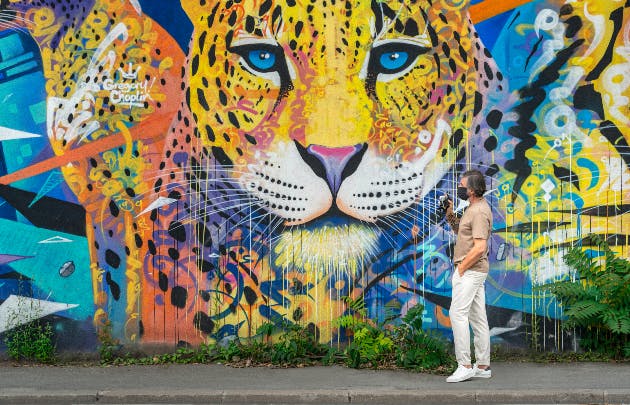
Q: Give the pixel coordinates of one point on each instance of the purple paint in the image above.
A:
(335, 160)
(6, 259)
(70, 13)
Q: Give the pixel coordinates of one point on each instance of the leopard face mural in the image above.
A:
(295, 156)
(332, 122)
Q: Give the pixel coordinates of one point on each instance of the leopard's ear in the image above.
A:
(196, 9)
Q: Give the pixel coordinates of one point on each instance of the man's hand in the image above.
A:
(449, 206)
(480, 246)
(451, 218)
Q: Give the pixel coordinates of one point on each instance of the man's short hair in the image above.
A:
(476, 182)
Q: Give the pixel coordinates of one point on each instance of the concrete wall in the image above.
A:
(296, 156)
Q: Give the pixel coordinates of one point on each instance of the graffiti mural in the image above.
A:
(187, 172)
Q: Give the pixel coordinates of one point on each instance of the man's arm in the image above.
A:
(451, 218)
(479, 248)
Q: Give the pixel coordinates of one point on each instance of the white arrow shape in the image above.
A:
(7, 134)
(160, 202)
(19, 310)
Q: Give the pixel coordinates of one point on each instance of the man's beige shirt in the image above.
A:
(476, 223)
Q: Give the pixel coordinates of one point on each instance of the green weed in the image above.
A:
(31, 341)
(108, 347)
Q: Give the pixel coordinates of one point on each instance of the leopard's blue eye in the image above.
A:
(261, 59)
(393, 58)
(264, 59)
(393, 61)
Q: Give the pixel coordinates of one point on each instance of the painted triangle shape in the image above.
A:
(6, 259)
(160, 202)
(55, 239)
(18, 310)
(7, 134)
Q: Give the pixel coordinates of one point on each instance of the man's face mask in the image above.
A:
(462, 193)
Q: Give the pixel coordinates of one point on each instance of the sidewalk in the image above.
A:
(218, 384)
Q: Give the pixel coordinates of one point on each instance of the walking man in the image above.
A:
(468, 304)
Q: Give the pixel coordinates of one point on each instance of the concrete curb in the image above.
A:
(342, 396)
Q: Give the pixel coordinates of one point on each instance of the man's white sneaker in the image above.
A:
(461, 374)
(481, 372)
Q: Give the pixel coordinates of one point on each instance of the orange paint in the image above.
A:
(138, 132)
(271, 94)
(491, 8)
(441, 314)
(151, 130)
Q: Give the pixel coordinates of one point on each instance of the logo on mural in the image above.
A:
(127, 90)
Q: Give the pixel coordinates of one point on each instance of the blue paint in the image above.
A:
(23, 98)
(261, 59)
(171, 16)
(393, 60)
(43, 267)
(577, 200)
(490, 29)
(590, 165)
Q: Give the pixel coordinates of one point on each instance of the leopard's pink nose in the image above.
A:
(332, 164)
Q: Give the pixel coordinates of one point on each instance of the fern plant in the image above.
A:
(355, 315)
(597, 302)
(266, 330)
(296, 345)
(371, 343)
(417, 348)
(408, 345)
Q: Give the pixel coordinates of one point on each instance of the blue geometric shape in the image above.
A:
(43, 267)
(54, 179)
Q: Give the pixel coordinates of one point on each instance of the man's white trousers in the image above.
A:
(468, 308)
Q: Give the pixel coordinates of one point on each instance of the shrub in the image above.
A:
(31, 341)
(410, 345)
(597, 301)
(417, 348)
